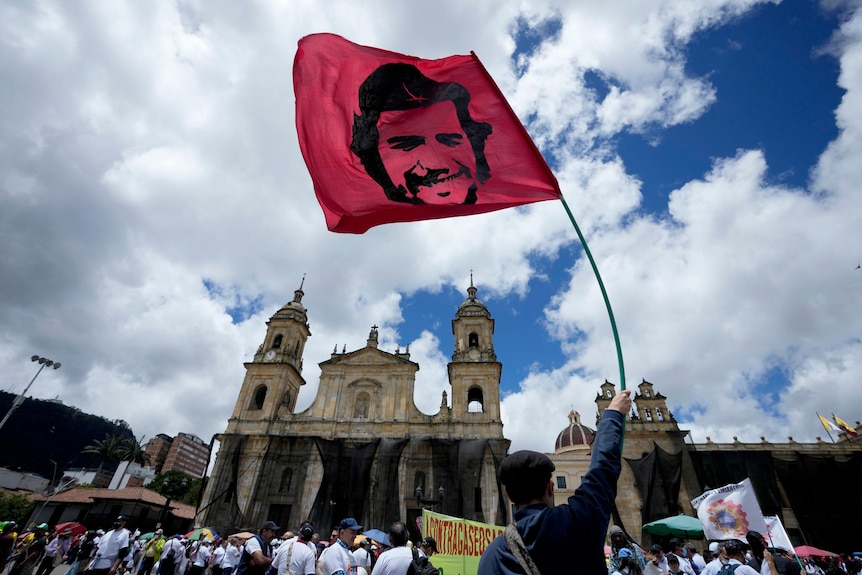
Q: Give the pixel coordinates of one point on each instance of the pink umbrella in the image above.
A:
(808, 551)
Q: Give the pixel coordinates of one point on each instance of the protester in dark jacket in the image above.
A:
(567, 538)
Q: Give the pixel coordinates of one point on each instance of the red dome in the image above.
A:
(575, 436)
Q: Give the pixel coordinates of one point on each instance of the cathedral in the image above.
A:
(362, 448)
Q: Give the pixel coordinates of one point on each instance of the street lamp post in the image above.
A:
(16, 403)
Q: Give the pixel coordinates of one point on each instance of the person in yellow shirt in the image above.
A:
(152, 552)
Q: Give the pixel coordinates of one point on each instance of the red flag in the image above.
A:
(394, 138)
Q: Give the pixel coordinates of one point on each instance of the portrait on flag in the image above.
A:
(729, 512)
(395, 138)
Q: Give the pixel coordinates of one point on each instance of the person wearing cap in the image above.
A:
(720, 559)
(549, 536)
(618, 540)
(113, 547)
(338, 560)
(294, 556)
(681, 553)
(256, 554)
(362, 555)
(30, 554)
(397, 560)
(427, 547)
(202, 558)
(658, 558)
(628, 565)
(152, 552)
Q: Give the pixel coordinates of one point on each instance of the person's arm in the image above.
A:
(594, 499)
(258, 559)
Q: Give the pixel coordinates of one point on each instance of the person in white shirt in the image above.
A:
(337, 560)
(362, 555)
(170, 557)
(714, 566)
(113, 547)
(202, 558)
(736, 556)
(295, 556)
(218, 557)
(231, 556)
(396, 560)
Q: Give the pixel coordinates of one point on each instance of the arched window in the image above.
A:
(646, 393)
(608, 393)
(258, 397)
(286, 400)
(286, 478)
(658, 414)
(276, 343)
(419, 480)
(360, 407)
(648, 413)
(475, 400)
(473, 339)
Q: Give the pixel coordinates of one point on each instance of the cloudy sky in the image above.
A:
(155, 209)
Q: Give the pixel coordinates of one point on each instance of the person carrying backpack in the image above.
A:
(736, 560)
(420, 564)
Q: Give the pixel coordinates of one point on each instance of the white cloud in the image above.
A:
(149, 147)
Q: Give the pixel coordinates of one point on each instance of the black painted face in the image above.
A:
(426, 152)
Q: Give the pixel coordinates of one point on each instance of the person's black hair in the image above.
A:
(398, 534)
(525, 475)
(632, 564)
(395, 87)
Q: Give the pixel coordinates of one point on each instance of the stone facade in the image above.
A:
(810, 486)
(362, 448)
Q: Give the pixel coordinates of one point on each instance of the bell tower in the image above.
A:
(274, 376)
(474, 371)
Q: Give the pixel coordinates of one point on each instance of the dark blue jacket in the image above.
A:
(569, 538)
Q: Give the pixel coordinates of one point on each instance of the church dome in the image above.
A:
(574, 437)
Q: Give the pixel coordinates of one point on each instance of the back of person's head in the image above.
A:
(756, 542)
(525, 475)
(672, 560)
(734, 548)
(689, 546)
(306, 530)
(398, 534)
(631, 563)
(675, 543)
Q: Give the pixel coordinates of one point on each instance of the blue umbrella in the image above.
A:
(378, 536)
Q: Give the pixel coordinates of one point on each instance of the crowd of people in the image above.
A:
(544, 538)
(118, 552)
(752, 557)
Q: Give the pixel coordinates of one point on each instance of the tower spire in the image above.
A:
(297, 295)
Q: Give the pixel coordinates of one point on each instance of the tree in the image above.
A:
(107, 450)
(15, 507)
(132, 450)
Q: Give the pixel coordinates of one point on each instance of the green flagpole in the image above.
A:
(605, 297)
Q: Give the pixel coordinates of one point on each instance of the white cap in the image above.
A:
(713, 547)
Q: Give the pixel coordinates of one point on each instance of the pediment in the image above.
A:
(366, 356)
